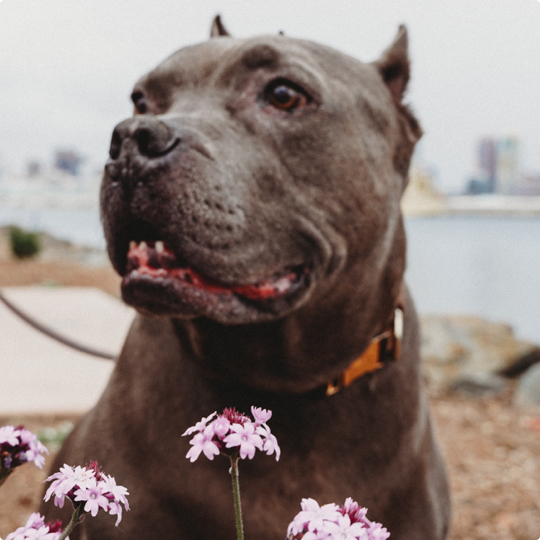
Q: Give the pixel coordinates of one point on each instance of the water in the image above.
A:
(80, 226)
(486, 266)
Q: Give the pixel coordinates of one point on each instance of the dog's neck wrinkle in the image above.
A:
(282, 356)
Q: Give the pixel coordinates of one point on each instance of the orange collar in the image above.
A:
(382, 348)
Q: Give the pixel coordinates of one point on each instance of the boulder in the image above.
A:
(468, 353)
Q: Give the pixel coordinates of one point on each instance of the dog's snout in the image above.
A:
(152, 137)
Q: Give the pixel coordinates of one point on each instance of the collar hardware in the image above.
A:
(383, 348)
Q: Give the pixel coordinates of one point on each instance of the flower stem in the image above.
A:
(236, 497)
(76, 518)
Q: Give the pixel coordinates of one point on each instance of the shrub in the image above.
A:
(23, 243)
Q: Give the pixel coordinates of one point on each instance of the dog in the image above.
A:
(252, 206)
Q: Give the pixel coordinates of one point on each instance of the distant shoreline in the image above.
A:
(471, 205)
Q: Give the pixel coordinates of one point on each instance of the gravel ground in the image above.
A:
(492, 448)
(493, 456)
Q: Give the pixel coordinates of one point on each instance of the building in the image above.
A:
(508, 175)
(487, 163)
(498, 168)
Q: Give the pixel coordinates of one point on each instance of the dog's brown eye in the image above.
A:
(285, 97)
(139, 101)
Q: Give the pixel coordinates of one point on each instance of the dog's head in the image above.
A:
(257, 174)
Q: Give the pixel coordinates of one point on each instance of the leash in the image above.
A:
(53, 334)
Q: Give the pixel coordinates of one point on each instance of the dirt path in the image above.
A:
(13, 273)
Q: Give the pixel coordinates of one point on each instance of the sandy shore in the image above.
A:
(39, 272)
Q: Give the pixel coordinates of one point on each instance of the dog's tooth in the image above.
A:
(143, 245)
(159, 247)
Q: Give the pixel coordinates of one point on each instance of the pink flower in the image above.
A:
(9, 435)
(317, 535)
(235, 417)
(330, 522)
(66, 481)
(344, 529)
(261, 415)
(312, 516)
(233, 433)
(221, 427)
(245, 438)
(18, 446)
(116, 510)
(90, 487)
(92, 493)
(118, 493)
(35, 448)
(37, 529)
(199, 426)
(354, 510)
(377, 532)
(270, 444)
(202, 442)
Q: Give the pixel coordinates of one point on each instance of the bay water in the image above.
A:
(486, 266)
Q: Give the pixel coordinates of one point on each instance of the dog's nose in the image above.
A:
(152, 137)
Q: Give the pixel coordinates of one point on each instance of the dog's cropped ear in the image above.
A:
(217, 28)
(393, 65)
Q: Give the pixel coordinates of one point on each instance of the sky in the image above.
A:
(67, 67)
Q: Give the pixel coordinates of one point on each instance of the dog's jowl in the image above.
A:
(252, 206)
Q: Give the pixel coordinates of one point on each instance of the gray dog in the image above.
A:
(252, 206)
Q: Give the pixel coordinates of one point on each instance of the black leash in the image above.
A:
(52, 334)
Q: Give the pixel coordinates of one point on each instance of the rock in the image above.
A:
(528, 389)
(479, 384)
(467, 352)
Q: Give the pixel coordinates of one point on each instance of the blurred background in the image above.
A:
(472, 212)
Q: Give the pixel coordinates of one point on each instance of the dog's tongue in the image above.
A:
(159, 262)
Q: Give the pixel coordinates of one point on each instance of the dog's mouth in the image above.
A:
(161, 282)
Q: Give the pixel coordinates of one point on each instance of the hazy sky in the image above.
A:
(67, 66)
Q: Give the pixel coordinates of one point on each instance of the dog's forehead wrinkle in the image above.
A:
(292, 59)
(260, 55)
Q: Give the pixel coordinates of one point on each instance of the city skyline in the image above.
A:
(496, 170)
(499, 169)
